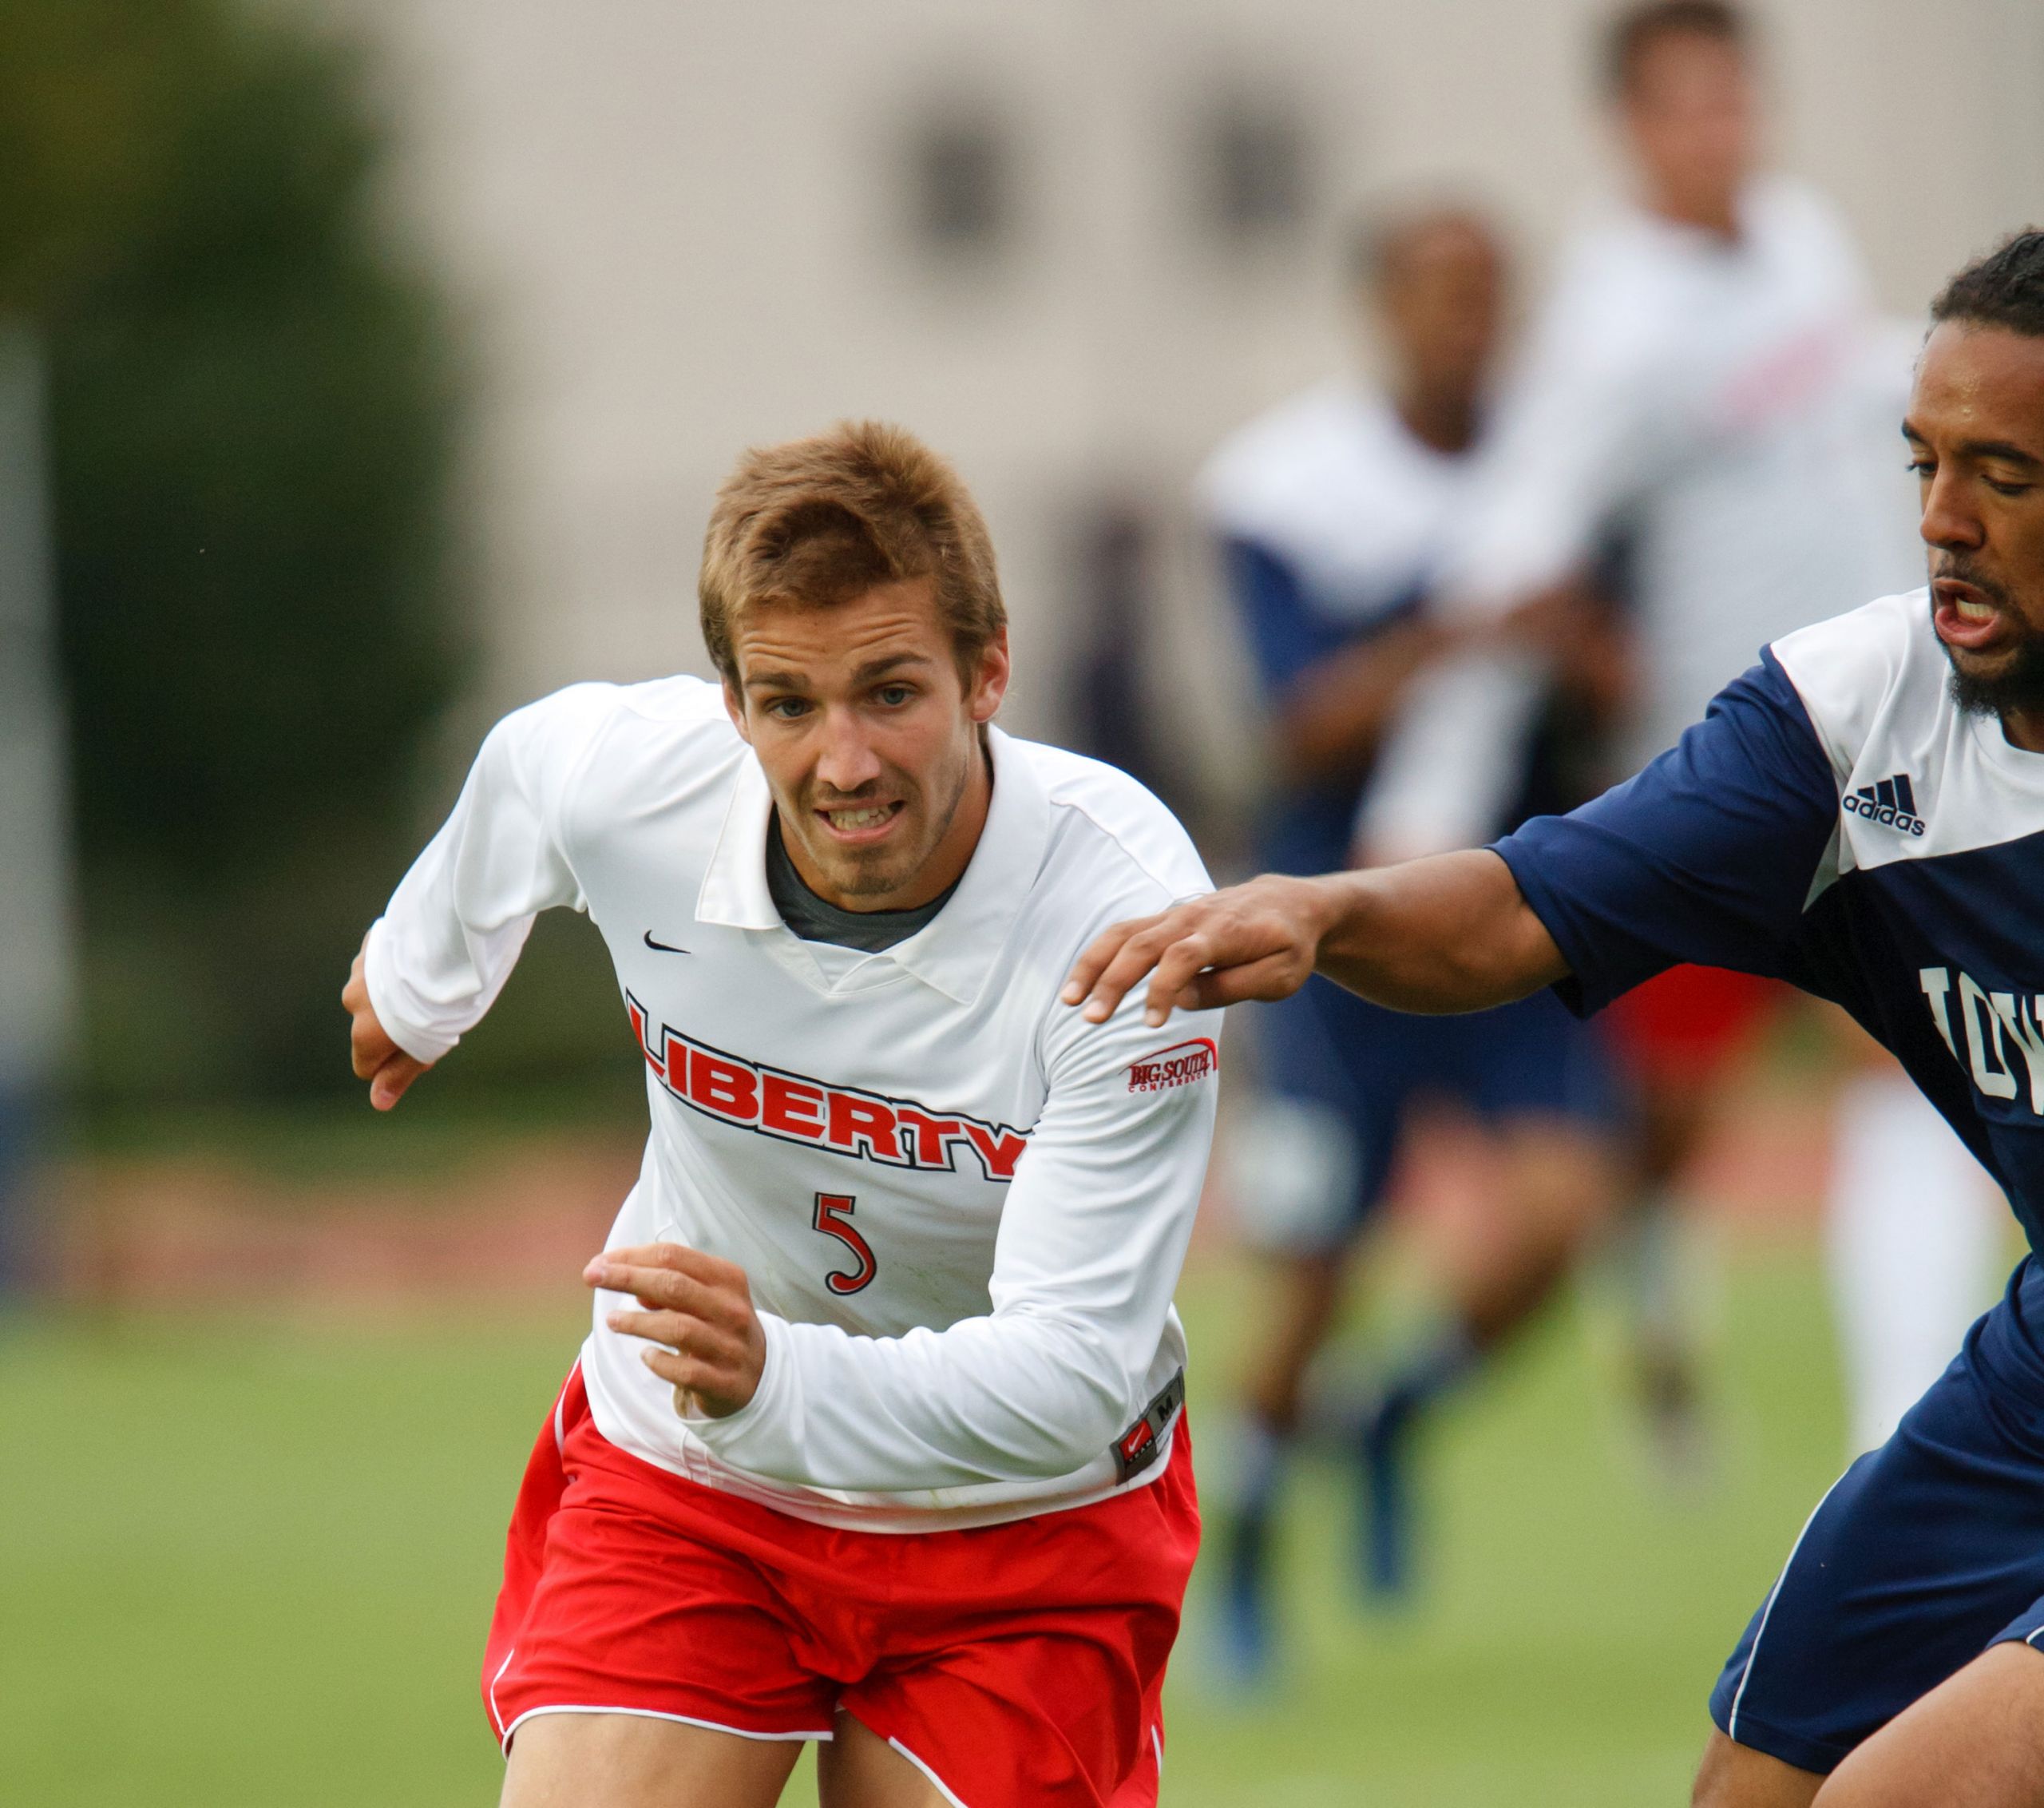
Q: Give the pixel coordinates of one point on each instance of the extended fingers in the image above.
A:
(1275, 976)
(712, 1270)
(1137, 955)
(678, 1331)
(1178, 966)
(1101, 955)
(659, 1290)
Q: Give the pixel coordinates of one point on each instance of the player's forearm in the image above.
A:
(1450, 932)
(1005, 1399)
(1333, 719)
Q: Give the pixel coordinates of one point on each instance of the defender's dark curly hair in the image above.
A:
(2004, 288)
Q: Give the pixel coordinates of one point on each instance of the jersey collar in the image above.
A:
(956, 951)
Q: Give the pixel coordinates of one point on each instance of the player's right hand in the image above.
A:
(1256, 940)
(386, 1067)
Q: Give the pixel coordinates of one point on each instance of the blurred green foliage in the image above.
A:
(254, 402)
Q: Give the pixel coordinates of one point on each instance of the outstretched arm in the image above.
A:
(1712, 854)
(433, 962)
(1451, 933)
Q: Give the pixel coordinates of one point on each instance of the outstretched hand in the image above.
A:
(1256, 940)
(386, 1067)
(699, 1318)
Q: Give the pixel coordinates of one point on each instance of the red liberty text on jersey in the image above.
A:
(843, 1119)
(1178, 1065)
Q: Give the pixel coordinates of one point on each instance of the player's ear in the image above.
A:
(989, 679)
(734, 707)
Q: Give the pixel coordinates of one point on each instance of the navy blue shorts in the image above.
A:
(1361, 1067)
(1924, 1553)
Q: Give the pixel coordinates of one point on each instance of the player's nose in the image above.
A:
(1949, 522)
(846, 761)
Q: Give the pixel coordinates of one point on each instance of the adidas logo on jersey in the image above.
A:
(1892, 804)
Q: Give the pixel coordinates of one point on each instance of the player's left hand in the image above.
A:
(698, 1314)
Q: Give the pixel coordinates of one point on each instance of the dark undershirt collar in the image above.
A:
(814, 919)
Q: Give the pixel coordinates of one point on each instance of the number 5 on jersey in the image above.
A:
(834, 1219)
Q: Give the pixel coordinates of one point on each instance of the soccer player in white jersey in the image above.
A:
(1894, 1664)
(876, 1439)
(1710, 389)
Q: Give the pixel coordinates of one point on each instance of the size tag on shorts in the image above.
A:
(1138, 1447)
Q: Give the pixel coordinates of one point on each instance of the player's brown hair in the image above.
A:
(816, 522)
(1635, 31)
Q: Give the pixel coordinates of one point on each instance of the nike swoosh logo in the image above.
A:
(665, 947)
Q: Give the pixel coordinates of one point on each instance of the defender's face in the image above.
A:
(1440, 305)
(1975, 430)
(870, 738)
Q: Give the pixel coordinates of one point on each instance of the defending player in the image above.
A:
(876, 1439)
(1333, 511)
(1895, 1652)
(1709, 388)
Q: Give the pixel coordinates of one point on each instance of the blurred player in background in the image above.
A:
(877, 1439)
(1708, 393)
(1333, 512)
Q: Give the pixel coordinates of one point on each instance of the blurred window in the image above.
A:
(962, 183)
(1256, 155)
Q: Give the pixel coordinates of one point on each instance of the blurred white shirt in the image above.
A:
(1728, 412)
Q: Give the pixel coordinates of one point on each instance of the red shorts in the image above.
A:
(1689, 1024)
(1019, 1663)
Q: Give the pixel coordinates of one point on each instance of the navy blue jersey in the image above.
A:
(1837, 822)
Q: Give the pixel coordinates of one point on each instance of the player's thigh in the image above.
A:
(1976, 1740)
(859, 1769)
(1736, 1776)
(567, 1760)
(1564, 1175)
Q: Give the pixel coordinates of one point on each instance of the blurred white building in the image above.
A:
(1069, 243)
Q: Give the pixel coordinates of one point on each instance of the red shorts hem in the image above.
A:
(1017, 1664)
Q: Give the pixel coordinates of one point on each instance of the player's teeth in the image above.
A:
(1976, 612)
(856, 819)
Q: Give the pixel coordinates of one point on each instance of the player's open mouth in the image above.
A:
(861, 822)
(1966, 618)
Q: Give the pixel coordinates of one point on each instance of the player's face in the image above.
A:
(1690, 119)
(1440, 302)
(1976, 430)
(869, 738)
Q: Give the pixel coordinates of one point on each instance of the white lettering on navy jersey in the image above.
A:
(1994, 1023)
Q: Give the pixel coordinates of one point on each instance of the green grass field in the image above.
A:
(249, 1565)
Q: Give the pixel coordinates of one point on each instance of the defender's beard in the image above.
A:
(2015, 686)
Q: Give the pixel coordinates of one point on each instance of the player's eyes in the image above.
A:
(892, 696)
(2001, 487)
(787, 709)
(1923, 467)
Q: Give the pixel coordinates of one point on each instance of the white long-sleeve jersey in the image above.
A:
(961, 1208)
(1728, 412)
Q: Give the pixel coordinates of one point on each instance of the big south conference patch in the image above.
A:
(1178, 1065)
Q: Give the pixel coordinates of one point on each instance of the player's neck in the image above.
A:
(2024, 728)
(1716, 214)
(1446, 420)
